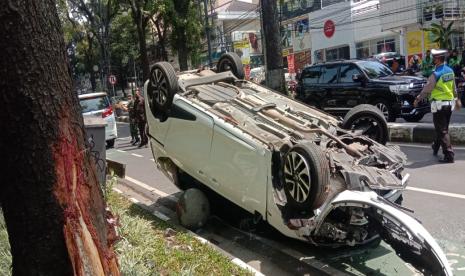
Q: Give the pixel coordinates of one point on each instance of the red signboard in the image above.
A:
(290, 64)
(329, 28)
(247, 71)
(112, 79)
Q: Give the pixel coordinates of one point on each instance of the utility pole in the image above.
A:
(274, 73)
(207, 32)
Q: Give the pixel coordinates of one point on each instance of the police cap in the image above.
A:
(438, 52)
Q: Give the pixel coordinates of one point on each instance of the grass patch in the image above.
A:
(148, 247)
(5, 255)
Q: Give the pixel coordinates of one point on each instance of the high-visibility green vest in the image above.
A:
(445, 82)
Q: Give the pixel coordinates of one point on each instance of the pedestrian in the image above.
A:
(442, 94)
(139, 105)
(132, 120)
(454, 62)
(427, 65)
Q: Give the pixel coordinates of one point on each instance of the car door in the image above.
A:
(189, 137)
(349, 93)
(238, 170)
(311, 92)
(329, 83)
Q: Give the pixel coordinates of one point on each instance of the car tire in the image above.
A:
(110, 143)
(369, 120)
(193, 209)
(414, 118)
(163, 84)
(306, 177)
(386, 110)
(231, 62)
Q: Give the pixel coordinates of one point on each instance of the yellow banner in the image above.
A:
(241, 44)
(429, 44)
(414, 42)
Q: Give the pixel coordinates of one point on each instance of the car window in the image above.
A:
(375, 69)
(346, 73)
(311, 75)
(329, 74)
(94, 104)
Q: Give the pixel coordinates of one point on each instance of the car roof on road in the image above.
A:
(92, 95)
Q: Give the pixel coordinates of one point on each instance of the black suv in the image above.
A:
(336, 87)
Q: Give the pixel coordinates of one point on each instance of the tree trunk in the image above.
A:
(138, 18)
(182, 56)
(272, 46)
(53, 206)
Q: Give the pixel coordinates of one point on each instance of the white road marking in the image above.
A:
(152, 159)
(133, 200)
(161, 216)
(118, 150)
(147, 187)
(117, 190)
(421, 146)
(245, 266)
(136, 155)
(123, 138)
(124, 123)
(435, 192)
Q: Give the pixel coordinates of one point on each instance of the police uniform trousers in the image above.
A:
(441, 119)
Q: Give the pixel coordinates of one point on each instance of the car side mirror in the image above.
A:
(357, 78)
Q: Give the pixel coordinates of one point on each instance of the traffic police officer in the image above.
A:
(442, 92)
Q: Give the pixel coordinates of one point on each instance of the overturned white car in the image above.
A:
(299, 169)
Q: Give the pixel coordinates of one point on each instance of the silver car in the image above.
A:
(311, 176)
(98, 104)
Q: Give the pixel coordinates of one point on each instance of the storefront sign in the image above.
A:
(290, 64)
(302, 59)
(242, 49)
(292, 8)
(329, 28)
(287, 51)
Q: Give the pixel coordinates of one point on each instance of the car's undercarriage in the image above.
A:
(333, 186)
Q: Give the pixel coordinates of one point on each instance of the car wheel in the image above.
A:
(367, 120)
(163, 84)
(385, 110)
(193, 209)
(306, 177)
(111, 143)
(231, 62)
(414, 118)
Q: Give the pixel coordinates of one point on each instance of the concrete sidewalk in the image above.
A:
(407, 132)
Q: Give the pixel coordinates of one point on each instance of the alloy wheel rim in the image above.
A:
(160, 87)
(297, 176)
(384, 109)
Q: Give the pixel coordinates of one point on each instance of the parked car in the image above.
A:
(338, 86)
(98, 104)
(282, 161)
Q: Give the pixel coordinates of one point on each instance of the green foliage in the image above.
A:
(146, 249)
(186, 26)
(442, 34)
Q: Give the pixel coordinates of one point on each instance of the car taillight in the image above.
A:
(107, 112)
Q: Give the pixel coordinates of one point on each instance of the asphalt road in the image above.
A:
(436, 192)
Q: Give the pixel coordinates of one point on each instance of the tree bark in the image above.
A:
(274, 74)
(53, 206)
(143, 50)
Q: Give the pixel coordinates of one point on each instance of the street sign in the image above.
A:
(112, 79)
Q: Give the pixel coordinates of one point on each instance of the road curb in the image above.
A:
(122, 119)
(115, 167)
(423, 133)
